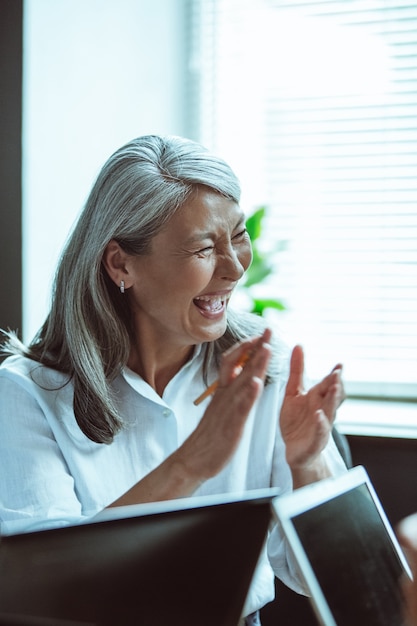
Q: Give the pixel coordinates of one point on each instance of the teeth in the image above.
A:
(211, 303)
(208, 299)
(213, 298)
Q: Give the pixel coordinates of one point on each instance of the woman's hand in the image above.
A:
(218, 434)
(209, 448)
(307, 418)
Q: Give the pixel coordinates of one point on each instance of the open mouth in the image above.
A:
(211, 304)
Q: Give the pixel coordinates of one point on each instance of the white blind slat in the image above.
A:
(315, 105)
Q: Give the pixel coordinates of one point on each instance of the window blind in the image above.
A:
(315, 106)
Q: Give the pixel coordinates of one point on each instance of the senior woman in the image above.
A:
(99, 409)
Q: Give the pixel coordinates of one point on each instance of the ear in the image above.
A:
(115, 261)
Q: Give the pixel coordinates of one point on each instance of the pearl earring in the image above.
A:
(122, 286)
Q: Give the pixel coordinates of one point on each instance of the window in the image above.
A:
(315, 106)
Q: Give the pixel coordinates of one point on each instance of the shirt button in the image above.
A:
(166, 412)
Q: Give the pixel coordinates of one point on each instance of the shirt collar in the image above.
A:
(141, 386)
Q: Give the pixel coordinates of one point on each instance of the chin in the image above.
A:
(215, 333)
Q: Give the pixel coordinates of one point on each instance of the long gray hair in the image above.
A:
(88, 331)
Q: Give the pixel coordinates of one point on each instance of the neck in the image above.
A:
(155, 365)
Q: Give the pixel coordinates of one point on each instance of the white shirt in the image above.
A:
(53, 475)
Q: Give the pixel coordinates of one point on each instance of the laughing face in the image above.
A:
(180, 290)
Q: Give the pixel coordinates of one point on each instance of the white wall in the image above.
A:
(96, 74)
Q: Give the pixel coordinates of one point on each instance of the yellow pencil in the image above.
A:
(212, 388)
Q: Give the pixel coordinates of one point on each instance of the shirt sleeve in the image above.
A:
(36, 488)
(280, 556)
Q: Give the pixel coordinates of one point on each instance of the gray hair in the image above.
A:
(88, 331)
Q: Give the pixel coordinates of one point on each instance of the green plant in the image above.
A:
(260, 268)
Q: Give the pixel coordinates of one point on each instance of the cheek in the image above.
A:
(245, 257)
(190, 279)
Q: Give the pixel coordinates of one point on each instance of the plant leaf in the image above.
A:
(254, 224)
(260, 304)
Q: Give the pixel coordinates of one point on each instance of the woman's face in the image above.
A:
(181, 289)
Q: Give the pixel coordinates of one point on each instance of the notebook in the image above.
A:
(187, 561)
(346, 550)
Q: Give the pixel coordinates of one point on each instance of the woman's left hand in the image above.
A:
(307, 418)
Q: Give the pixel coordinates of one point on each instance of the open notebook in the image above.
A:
(346, 550)
(187, 562)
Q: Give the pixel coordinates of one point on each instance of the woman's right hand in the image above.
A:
(209, 448)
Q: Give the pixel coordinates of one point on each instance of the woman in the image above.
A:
(99, 409)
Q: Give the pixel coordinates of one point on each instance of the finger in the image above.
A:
(407, 531)
(334, 376)
(338, 370)
(295, 384)
(231, 358)
(331, 387)
(332, 399)
(341, 393)
(236, 357)
(233, 354)
(257, 365)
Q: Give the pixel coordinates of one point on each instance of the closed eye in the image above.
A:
(205, 250)
(241, 234)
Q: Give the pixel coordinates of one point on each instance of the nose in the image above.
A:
(233, 264)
